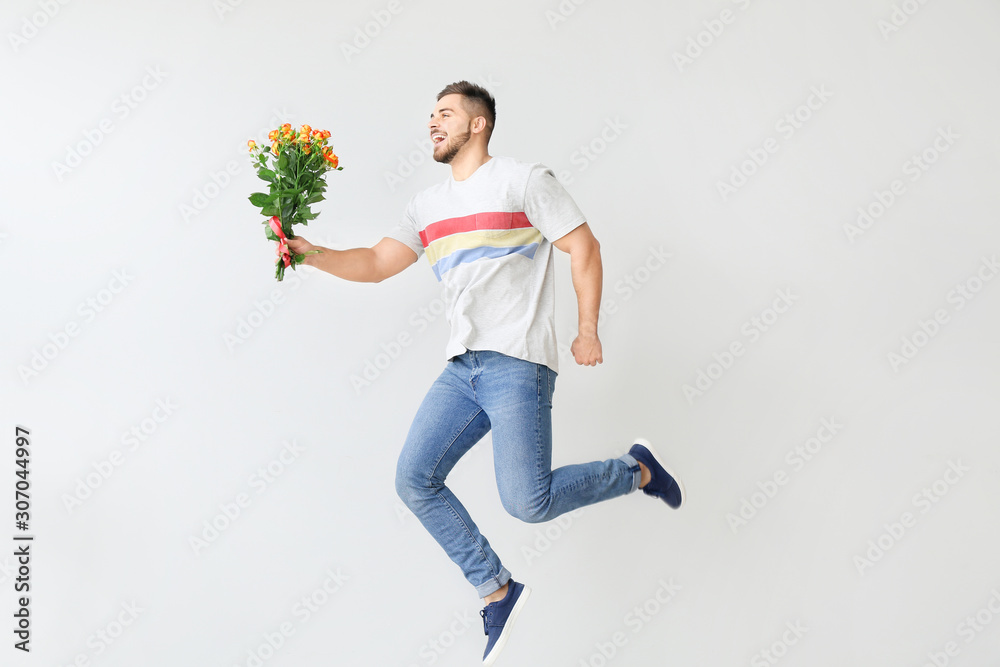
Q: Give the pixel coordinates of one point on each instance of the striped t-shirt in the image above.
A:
(489, 242)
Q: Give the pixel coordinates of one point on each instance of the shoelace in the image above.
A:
(483, 613)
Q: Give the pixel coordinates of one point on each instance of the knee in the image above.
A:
(525, 511)
(410, 484)
(407, 484)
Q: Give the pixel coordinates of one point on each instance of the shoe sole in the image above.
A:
(502, 640)
(659, 459)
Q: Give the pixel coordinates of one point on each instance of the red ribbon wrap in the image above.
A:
(283, 252)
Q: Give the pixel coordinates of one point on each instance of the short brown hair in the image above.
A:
(478, 102)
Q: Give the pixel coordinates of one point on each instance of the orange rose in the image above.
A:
(274, 148)
(332, 159)
(252, 144)
(286, 127)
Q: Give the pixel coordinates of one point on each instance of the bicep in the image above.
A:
(581, 237)
(391, 257)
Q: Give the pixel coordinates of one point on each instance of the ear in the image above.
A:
(478, 124)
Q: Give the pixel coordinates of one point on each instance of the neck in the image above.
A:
(468, 160)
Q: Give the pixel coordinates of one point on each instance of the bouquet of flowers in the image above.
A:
(294, 168)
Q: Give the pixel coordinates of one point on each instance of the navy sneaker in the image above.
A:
(663, 483)
(499, 617)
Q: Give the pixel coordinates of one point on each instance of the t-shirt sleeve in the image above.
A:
(406, 231)
(548, 205)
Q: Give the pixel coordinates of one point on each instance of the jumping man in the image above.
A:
(488, 232)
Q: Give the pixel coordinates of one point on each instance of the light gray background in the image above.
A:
(152, 199)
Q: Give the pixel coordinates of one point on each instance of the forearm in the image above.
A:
(357, 264)
(588, 278)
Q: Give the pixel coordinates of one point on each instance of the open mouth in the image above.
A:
(437, 138)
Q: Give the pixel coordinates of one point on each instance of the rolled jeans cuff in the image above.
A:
(634, 467)
(494, 584)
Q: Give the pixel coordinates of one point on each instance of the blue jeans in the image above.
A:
(478, 391)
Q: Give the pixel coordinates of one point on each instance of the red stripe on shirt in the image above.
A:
(471, 223)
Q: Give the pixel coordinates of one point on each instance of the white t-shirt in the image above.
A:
(489, 242)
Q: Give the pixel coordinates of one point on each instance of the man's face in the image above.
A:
(450, 126)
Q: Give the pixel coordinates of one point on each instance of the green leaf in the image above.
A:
(315, 197)
(270, 210)
(267, 174)
(282, 161)
(258, 199)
